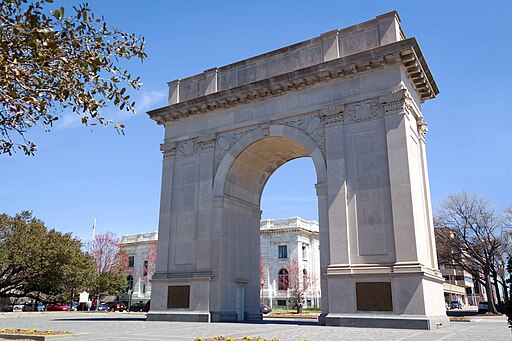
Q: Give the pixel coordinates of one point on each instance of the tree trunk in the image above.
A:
(497, 289)
(488, 291)
(504, 287)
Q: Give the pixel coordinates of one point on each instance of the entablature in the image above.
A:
(405, 52)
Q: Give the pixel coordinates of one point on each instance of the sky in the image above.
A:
(79, 173)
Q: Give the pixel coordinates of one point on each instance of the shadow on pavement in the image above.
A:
(106, 319)
(457, 313)
(286, 321)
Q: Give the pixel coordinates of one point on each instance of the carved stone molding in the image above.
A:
(332, 116)
(188, 147)
(225, 140)
(206, 142)
(362, 111)
(168, 149)
(394, 103)
(422, 127)
(311, 124)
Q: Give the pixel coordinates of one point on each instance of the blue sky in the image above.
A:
(79, 173)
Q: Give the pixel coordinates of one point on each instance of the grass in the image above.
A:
(304, 310)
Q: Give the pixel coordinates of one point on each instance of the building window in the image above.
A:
(281, 303)
(129, 279)
(131, 261)
(305, 279)
(143, 288)
(145, 268)
(282, 251)
(282, 280)
(304, 252)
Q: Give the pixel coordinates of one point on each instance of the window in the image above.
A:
(131, 261)
(282, 280)
(282, 251)
(305, 279)
(304, 252)
(145, 268)
(281, 303)
(143, 288)
(129, 279)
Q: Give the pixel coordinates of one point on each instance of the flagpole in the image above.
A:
(93, 228)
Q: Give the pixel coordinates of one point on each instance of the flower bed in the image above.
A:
(31, 334)
(245, 338)
(33, 331)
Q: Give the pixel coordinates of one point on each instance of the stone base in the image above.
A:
(186, 316)
(223, 316)
(253, 316)
(385, 321)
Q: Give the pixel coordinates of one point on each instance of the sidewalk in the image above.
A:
(132, 326)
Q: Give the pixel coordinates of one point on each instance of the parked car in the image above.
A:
(139, 306)
(147, 306)
(30, 306)
(17, 307)
(265, 309)
(116, 306)
(455, 305)
(483, 307)
(102, 306)
(57, 307)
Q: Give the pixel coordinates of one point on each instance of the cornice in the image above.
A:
(406, 53)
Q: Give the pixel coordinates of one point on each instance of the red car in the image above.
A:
(57, 307)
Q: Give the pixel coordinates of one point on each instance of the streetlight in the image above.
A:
(129, 298)
(452, 236)
(262, 282)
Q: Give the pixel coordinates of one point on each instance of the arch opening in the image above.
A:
(240, 214)
(254, 166)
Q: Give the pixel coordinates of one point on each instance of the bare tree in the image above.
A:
(298, 282)
(110, 262)
(475, 232)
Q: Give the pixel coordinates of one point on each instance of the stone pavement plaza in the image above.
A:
(132, 326)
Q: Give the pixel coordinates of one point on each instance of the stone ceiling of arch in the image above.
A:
(256, 163)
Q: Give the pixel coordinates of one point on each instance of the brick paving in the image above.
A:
(132, 326)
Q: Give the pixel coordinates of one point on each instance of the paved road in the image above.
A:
(132, 326)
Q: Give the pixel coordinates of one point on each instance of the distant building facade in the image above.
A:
(281, 242)
(138, 247)
(459, 285)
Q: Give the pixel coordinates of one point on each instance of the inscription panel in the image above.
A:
(374, 296)
(178, 296)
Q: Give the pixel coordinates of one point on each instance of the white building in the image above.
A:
(141, 250)
(281, 242)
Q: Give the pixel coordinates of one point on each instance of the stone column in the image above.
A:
(337, 187)
(398, 145)
(204, 220)
(164, 229)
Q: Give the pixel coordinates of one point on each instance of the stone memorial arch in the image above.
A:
(348, 99)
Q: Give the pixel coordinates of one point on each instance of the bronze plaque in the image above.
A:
(178, 296)
(374, 296)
